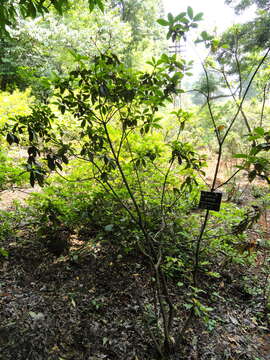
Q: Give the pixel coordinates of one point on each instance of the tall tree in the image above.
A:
(55, 43)
(142, 15)
(254, 34)
(241, 5)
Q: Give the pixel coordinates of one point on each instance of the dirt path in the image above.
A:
(7, 197)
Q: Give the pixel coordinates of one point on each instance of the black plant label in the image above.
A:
(210, 200)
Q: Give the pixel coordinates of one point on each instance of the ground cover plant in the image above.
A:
(124, 203)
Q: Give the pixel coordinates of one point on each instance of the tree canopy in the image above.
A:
(36, 47)
(244, 4)
(254, 34)
(10, 10)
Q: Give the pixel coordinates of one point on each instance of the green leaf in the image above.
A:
(190, 12)
(64, 159)
(198, 17)
(163, 22)
(32, 178)
(16, 140)
(10, 138)
(31, 10)
(146, 128)
(254, 151)
(91, 4)
(170, 18)
(240, 156)
(259, 131)
(40, 179)
(252, 175)
(51, 163)
(100, 5)
(180, 16)
(168, 34)
(3, 252)
(188, 306)
(108, 227)
(204, 35)
(214, 274)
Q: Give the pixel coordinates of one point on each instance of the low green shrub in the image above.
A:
(11, 173)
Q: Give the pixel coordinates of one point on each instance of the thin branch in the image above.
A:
(74, 181)
(238, 67)
(210, 97)
(263, 104)
(139, 220)
(137, 174)
(113, 192)
(244, 96)
(160, 300)
(165, 180)
(197, 251)
(228, 180)
(209, 106)
(236, 103)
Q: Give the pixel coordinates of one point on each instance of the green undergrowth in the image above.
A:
(85, 208)
(11, 172)
(95, 215)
